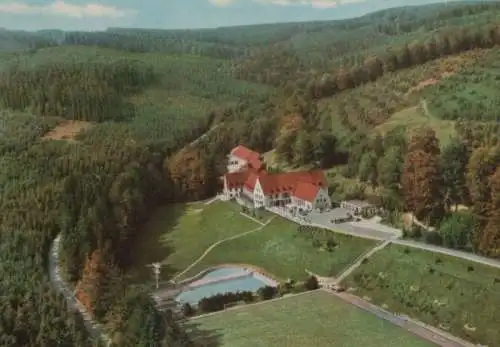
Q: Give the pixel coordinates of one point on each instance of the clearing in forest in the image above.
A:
(413, 118)
(67, 130)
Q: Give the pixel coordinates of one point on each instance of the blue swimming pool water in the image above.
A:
(246, 283)
(193, 295)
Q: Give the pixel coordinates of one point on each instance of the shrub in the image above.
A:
(187, 310)
(331, 244)
(431, 270)
(311, 283)
(438, 261)
(219, 301)
(267, 292)
(364, 261)
(433, 238)
(415, 232)
(470, 268)
(406, 250)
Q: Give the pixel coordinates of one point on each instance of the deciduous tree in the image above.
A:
(421, 179)
(453, 167)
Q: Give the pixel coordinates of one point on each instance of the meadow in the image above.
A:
(178, 234)
(459, 296)
(311, 319)
(416, 117)
(284, 252)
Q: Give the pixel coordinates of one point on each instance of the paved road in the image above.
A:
(373, 230)
(94, 328)
(451, 252)
(432, 334)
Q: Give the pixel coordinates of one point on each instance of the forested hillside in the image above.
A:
(321, 94)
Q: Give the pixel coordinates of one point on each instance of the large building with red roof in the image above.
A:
(247, 179)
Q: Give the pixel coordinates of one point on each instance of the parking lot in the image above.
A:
(363, 228)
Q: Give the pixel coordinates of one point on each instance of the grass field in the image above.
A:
(314, 319)
(413, 118)
(454, 294)
(178, 234)
(285, 253)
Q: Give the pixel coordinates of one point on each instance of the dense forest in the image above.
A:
(148, 96)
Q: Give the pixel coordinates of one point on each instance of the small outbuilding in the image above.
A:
(359, 207)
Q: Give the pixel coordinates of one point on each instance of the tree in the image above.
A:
(368, 168)
(325, 150)
(453, 167)
(489, 238)
(311, 283)
(303, 149)
(489, 243)
(188, 171)
(389, 169)
(458, 230)
(267, 292)
(482, 164)
(421, 181)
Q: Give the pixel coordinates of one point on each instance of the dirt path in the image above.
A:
(425, 108)
(360, 259)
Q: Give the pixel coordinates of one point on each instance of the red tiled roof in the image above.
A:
(246, 178)
(252, 157)
(236, 179)
(306, 191)
(251, 179)
(287, 182)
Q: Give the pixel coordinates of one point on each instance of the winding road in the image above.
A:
(95, 329)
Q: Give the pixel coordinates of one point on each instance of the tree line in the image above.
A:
(446, 43)
(434, 181)
(90, 91)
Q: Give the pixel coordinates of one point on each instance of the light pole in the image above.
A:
(156, 272)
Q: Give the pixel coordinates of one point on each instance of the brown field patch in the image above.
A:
(67, 130)
(429, 82)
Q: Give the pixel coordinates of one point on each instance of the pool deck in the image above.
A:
(257, 272)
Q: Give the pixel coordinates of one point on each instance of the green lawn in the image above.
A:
(314, 319)
(285, 253)
(178, 234)
(447, 292)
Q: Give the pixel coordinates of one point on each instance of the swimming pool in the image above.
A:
(223, 280)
